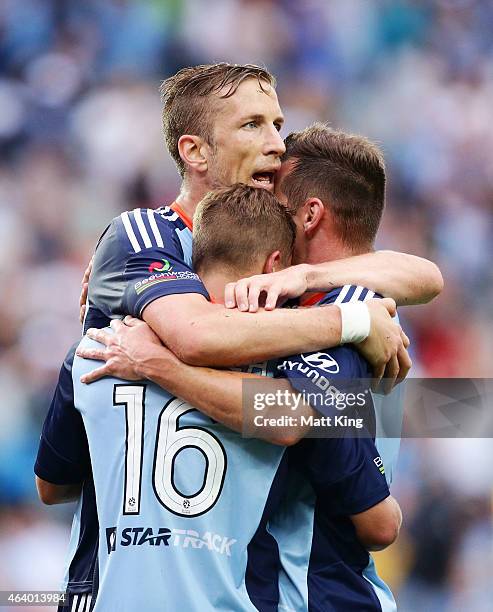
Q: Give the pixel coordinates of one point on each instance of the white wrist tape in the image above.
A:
(356, 322)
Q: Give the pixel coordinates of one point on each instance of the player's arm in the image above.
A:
(201, 333)
(378, 527)
(134, 352)
(220, 395)
(408, 279)
(174, 304)
(353, 485)
(62, 462)
(50, 493)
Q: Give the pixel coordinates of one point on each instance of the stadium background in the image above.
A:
(81, 141)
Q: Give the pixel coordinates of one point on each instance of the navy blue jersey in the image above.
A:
(310, 539)
(143, 254)
(388, 410)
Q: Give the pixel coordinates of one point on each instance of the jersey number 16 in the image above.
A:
(171, 439)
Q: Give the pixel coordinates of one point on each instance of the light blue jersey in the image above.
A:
(179, 498)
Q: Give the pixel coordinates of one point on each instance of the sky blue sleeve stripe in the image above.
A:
(185, 238)
(292, 528)
(74, 541)
(382, 591)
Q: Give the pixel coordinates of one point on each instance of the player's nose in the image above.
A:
(274, 144)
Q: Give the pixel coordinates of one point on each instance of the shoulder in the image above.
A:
(337, 363)
(354, 363)
(144, 228)
(347, 294)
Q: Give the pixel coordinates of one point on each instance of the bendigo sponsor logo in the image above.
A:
(379, 463)
(162, 277)
(182, 538)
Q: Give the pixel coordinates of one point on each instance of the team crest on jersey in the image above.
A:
(160, 266)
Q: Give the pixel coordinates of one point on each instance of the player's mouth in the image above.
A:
(264, 179)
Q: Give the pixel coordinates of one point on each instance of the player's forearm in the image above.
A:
(226, 338)
(379, 526)
(51, 494)
(220, 394)
(406, 278)
(214, 392)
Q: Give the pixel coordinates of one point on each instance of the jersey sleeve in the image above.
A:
(345, 470)
(139, 258)
(347, 474)
(63, 453)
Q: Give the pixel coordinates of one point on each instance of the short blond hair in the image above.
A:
(238, 227)
(187, 104)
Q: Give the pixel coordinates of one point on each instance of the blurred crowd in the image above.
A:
(80, 141)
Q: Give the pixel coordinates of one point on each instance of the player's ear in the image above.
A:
(192, 150)
(272, 263)
(313, 211)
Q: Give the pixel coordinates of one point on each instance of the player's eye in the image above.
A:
(251, 124)
(278, 126)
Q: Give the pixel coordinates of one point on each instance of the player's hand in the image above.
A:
(386, 346)
(123, 351)
(83, 293)
(272, 289)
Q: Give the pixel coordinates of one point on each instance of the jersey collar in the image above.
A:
(182, 214)
(312, 299)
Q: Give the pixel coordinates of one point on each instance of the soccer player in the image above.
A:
(331, 165)
(180, 497)
(347, 174)
(221, 125)
(331, 569)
